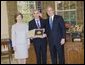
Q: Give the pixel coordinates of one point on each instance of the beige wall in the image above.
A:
(4, 21)
(8, 10)
(11, 10)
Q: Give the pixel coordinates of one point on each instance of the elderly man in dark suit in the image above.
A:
(56, 35)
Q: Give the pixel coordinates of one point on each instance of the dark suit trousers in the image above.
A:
(40, 46)
(56, 49)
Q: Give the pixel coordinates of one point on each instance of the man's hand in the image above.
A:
(44, 35)
(62, 41)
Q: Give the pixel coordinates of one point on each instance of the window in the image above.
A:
(26, 8)
(39, 5)
(67, 9)
(71, 11)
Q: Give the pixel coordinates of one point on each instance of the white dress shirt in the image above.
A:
(38, 23)
(52, 17)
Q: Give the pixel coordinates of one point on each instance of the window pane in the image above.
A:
(26, 8)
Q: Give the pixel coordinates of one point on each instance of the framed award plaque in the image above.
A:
(35, 33)
(39, 32)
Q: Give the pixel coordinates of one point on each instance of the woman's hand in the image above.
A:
(14, 48)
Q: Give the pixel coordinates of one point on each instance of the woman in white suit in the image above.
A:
(20, 40)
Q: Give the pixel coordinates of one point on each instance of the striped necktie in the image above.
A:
(38, 24)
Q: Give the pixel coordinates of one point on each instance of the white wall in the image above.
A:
(4, 21)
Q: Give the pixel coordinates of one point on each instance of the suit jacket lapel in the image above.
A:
(54, 19)
(41, 23)
(34, 23)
